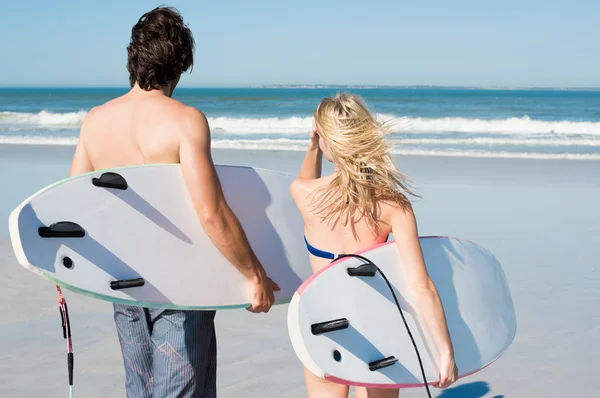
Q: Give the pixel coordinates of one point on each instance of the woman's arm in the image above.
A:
(311, 166)
(429, 305)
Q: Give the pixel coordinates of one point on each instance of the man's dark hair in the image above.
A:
(161, 49)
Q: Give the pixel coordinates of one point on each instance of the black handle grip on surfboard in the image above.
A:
(362, 270)
(329, 326)
(62, 229)
(127, 283)
(110, 180)
(382, 363)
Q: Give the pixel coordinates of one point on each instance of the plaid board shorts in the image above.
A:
(167, 353)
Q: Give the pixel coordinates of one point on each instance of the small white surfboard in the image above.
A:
(348, 329)
(131, 235)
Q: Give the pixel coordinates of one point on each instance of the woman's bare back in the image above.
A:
(334, 239)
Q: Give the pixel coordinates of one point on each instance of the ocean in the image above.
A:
(540, 124)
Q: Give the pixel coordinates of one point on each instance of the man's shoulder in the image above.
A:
(99, 111)
(192, 120)
(90, 118)
(192, 114)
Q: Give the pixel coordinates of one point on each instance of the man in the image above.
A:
(168, 353)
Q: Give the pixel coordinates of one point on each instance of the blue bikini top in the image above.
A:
(323, 254)
(318, 253)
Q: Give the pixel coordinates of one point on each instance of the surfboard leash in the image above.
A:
(370, 269)
(66, 326)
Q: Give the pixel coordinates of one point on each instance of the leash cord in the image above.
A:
(66, 326)
(399, 310)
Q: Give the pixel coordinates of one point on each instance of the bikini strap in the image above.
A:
(318, 253)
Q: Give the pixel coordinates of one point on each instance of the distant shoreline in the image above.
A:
(317, 87)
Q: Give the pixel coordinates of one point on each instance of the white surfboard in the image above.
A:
(131, 235)
(348, 328)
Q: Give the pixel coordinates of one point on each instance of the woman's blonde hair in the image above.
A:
(366, 173)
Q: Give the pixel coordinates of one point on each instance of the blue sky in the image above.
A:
(526, 43)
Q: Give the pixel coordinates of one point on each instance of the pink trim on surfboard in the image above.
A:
(447, 237)
(301, 288)
(405, 385)
(372, 385)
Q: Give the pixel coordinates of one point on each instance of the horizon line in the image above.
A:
(319, 86)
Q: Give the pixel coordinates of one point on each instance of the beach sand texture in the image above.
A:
(539, 217)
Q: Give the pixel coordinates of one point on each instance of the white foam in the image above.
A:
(300, 145)
(235, 125)
(302, 125)
(37, 140)
(284, 144)
(514, 125)
(484, 141)
(498, 154)
(280, 144)
(290, 125)
(43, 119)
(520, 126)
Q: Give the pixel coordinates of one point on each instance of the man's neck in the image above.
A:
(164, 90)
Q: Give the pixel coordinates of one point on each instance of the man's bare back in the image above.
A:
(137, 128)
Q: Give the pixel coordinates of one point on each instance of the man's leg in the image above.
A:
(185, 354)
(134, 336)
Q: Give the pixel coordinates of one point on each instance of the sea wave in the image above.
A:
(301, 125)
(284, 144)
(299, 145)
(509, 141)
(42, 119)
(239, 125)
(242, 125)
(513, 125)
(36, 140)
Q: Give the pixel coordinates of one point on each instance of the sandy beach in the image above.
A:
(539, 217)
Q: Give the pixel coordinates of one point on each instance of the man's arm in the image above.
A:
(215, 215)
(80, 163)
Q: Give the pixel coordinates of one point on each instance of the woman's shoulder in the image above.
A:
(397, 210)
(301, 188)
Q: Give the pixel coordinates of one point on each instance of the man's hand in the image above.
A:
(262, 295)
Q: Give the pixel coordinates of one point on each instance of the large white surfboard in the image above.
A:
(132, 236)
(348, 328)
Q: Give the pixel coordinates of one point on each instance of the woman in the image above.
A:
(356, 207)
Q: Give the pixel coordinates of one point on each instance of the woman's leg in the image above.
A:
(318, 387)
(362, 392)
